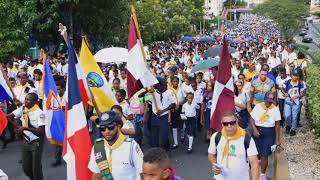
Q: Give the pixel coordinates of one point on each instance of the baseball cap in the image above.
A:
(108, 118)
(269, 97)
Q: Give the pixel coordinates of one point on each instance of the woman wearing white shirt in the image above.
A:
(265, 122)
(242, 102)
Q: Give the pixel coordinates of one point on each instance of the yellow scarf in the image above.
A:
(175, 93)
(300, 61)
(116, 145)
(25, 114)
(23, 87)
(264, 115)
(240, 133)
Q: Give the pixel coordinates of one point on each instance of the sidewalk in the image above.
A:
(302, 153)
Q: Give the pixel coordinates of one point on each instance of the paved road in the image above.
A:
(193, 166)
(189, 166)
(316, 39)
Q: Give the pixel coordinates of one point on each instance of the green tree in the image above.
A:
(289, 14)
(16, 19)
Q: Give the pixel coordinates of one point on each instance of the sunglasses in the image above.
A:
(110, 128)
(231, 123)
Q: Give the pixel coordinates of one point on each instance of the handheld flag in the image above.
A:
(77, 145)
(223, 96)
(5, 92)
(52, 108)
(138, 74)
(3, 121)
(98, 85)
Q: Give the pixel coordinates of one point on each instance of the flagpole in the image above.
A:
(65, 37)
(136, 25)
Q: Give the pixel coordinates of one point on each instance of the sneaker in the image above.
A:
(189, 150)
(288, 129)
(263, 177)
(175, 146)
(292, 133)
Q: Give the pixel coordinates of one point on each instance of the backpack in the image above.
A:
(136, 107)
(246, 142)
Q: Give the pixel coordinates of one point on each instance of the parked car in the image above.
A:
(307, 39)
(303, 33)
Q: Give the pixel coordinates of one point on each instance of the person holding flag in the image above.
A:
(114, 156)
(33, 131)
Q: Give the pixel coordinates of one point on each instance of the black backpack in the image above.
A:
(246, 142)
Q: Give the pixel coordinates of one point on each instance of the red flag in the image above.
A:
(3, 121)
(223, 96)
(133, 84)
(138, 74)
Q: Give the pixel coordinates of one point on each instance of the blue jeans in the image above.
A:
(291, 112)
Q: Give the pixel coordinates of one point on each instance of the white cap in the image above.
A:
(3, 176)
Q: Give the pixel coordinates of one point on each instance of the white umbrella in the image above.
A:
(112, 55)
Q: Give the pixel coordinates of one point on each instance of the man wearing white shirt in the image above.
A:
(279, 83)
(234, 163)
(163, 100)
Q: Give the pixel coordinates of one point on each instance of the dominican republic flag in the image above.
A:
(5, 92)
(52, 108)
(223, 95)
(138, 74)
(77, 144)
(83, 85)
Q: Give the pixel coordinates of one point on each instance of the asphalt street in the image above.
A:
(188, 166)
(312, 33)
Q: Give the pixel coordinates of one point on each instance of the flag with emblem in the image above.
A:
(138, 74)
(52, 108)
(223, 95)
(77, 144)
(98, 84)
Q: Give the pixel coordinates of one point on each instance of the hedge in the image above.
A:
(313, 98)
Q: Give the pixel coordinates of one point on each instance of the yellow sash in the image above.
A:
(25, 114)
(265, 113)
(240, 133)
(116, 145)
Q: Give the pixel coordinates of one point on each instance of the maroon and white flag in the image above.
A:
(223, 95)
(138, 74)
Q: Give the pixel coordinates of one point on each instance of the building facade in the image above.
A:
(212, 8)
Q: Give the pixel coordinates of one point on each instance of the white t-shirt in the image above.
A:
(238, 165)
(190, 110)
(273, 62)
(235, 72)
(273, 115)
(292, 57)
(280, 82)
(303, 65)
(185, 89)
(36, 119)
(124, 165)
(242, 98)
(125, 108)
(167, 99)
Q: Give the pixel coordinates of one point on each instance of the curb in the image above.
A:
(281, 168)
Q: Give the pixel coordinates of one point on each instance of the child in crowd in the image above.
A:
(189, 114)
(156, 166)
